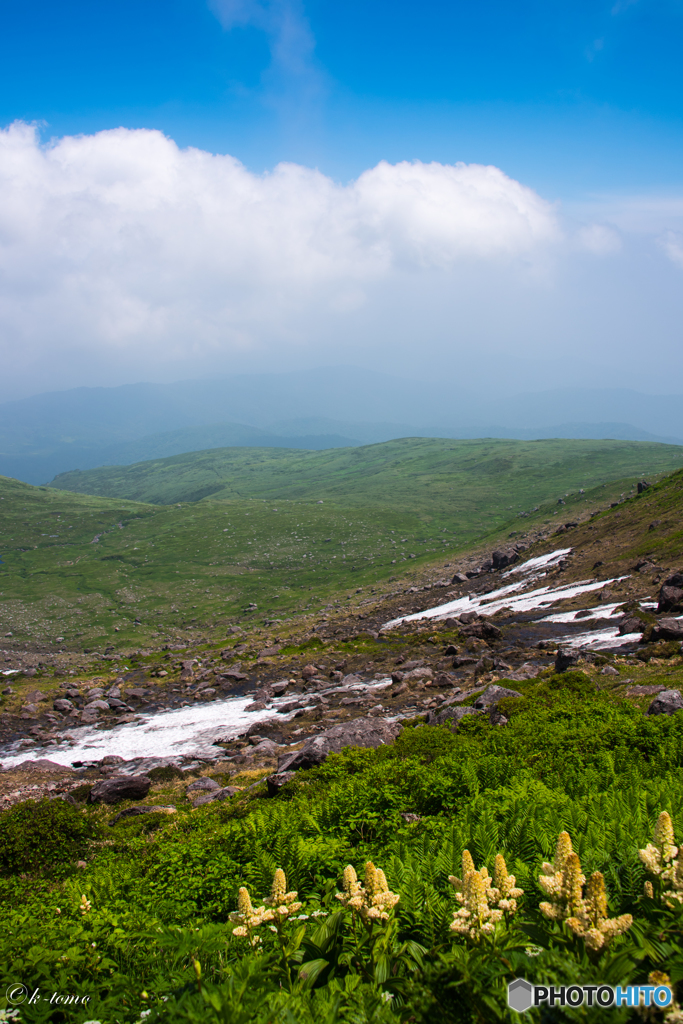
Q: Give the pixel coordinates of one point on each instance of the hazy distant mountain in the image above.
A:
(321, 408)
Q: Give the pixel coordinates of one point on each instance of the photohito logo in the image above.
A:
(522, 995)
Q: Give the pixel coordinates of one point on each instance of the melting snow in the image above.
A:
(599, 639)
(187, 731)
(505, 597)
(542, 562)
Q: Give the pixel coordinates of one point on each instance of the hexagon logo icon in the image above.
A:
(520, 995)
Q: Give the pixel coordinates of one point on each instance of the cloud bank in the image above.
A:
(123, 256)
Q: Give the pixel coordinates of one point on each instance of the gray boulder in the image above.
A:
(63, 705)
(492, 694)
(128, 787)
(202, 784)
(363, 732)
(97, 705)
(666, 703)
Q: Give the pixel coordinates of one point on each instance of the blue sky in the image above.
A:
(460, 186)
(571, 97)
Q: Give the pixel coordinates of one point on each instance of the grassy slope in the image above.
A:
(477, 483)
(195, 567)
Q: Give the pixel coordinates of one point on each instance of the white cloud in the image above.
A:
(672, 244)
(599, 239)
(123, 257)
(122, 242)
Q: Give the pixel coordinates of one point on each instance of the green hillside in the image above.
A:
(86, 567)
(483, 481)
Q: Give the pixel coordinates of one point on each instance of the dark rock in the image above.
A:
(111, 759)
(129, 787)
(459, 577)
(451, 649)
(643, 485)
(492, 694)
(471, 575)
(452, 715)
(670, 598)
(363, 732)
(62, 705)
(566, 658)
(308, 671)
(257, 705)
(287, 708)
(666, 703)
(484, 664)
(483, 630)
(443, 679)
(397, 677)
(278, 780)
(501, 559)
(668, 629)
(631, 625)
(130, 812)
(279, 688)
(497, 717)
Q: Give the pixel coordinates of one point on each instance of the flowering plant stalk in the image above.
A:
(661, 859)
(484, 900)
(586, 916)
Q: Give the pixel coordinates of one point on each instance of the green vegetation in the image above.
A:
(85, 568)
(479, 485)
(147, 924)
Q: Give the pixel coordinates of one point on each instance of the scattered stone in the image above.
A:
(36, 696)
(111, 759)
(671, 593)
(666, 703)
(501, 559)
(95, 693)
(609, 670)
(278, 780)
(631, 625)
(418, 673)
(363, 732)
(257, 705)
(279, 688)
(129, 812)
(452, 715)
(202, 784)
(668, 629)
(492, 694)
(308, 671)
(110, 791)
(566, 658)
(62, 705)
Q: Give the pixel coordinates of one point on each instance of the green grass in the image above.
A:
(159, 890)
(188, 569)
(476, 484)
